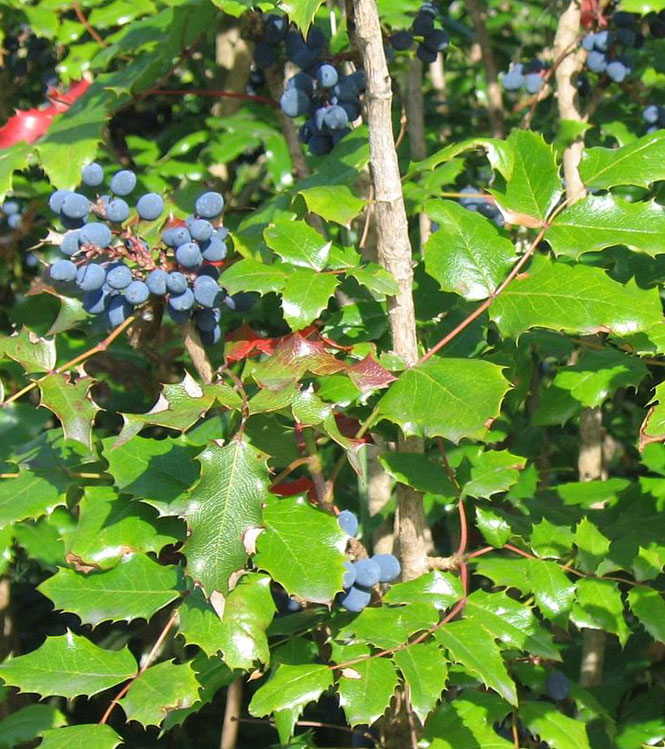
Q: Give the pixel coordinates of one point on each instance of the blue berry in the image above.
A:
(94, 302)
(182, 302)
(179, 317)
(597, 61)
(589, 42)
(70, 243)
(14, 221)
(119, 276)
(214, 250)
(423, 24)
(92, 175)
(156, 282)
(90, 277)
(368, 572)
(335, 118)
(137, 292)
(355, 599)
(175, 236)
(389, 567)
(348, 522)
(10, 207)
(123, 182)
(426, 55)
(150, 206)
(97, 234)
(201, 230)
(512, 81)
(75, 206)
(533, 83)
(275, 28)
(63, 270)
(118, 310)
(437, 41)
(189, 255)
(617, 71)
(265, 54)
(557, 685)
(651, 114)
(176, 283)
(212, 337)
(402, 40)
(117, 211)
(243, 300)
(349, 575)
(56, 200)
(207, 292)
(295, 102)
(327, 75)
(209, 205)
(303, 81)
(207, 319)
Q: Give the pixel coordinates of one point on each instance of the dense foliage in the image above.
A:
(210, 418)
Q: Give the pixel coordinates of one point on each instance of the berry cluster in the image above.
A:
(654, 116)
(528, 77)
(606, 47)
(363, 574)
(477, 202)
(26, 53)
(431, 40)
(12, 211)
(116, 269)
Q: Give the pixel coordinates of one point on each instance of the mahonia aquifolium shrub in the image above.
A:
(116, 270)
(362, 575)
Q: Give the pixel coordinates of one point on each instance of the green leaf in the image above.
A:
(302, 548)
(418, 471)
(471, 645)
(291, 688)
(305, 295)
(500, 154)
(653, 426)
(376, 278)
(365, 690)
(29, 495)
(68, 666)
(33, 353)
(13, 159)
(451, 398)
(72, 404)
(333, 202)
(598, 605)
(248, 611)
(549, 540)
(389, 626)
(604, 221)
(85, 736)
(425, 671)
(591, 545)
(510, 573)
(648, 606)
(553, 590)
(577, 299)
(467, 721)
(251, 275)
(158, 690)
(301, 12)
(551, 725)
(494, 528)
(440, 589)
(597, 375)
(511, 622)
(638, 163)
(110, 526)
(27, 723)
(199, 623)
(224, 504)
(534, 187)
(135, 589)
(466, 255)
(296, 242)
(492, 471)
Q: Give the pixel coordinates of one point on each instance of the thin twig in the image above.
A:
(86, 24)
(214, 94)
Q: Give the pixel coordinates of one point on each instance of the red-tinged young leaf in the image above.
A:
(84, 736)
(72, 403)
(368, 375)
(244, 342)
(223, 505)
(303, 485)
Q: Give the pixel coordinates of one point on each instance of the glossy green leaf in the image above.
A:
(248, 610)
(296, 242)
(577, 299)
(333, 202)
(591, 544)
(551, 725)
(598, 605)
(27, 723)
(376, 278)
(418, 471)
(84, 736)
(492, 471)
(251, 275)
(424, 668)
(466, 255)
(389, 626)
(72, 404)
(553, 590)
(500, 154)
(224, 504)
(451, 398)
(33, 353)
(440, 589)
(604, 221)
(67, 666)
(653, 426)
(301, 12)
(549, 540)
(365, 690)
(305, 295)
(494, 528)
(199, 623)
(468, 721)
(161, 688)
(471, 645)
(638, 163)
(29, 495)
(302, 548)
(648, 606)
(136, 588)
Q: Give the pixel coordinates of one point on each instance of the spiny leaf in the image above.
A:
(72, 404)
(199, 623)
(418, 471)
(33, 353)
(638, 163)
(365, 690)
(136, 588)
(441, 589)
(251, 275)
(296, 242)
(648, 606)
(553, 590)
(492, 471)
(389, 626)
(85, 736)
(425, 671)
(468, 721)
(68, 666)
(598, 605)
(500, 154)
(30, 495)
(224, 504)
(551, 725)
(27, 723)
(451, 398)
(305, 295)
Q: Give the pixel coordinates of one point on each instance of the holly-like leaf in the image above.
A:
(85, 736)
(158, 690)
(72, 404)
(548, 723)
(301, 12)
(425, 671)
(33, 353)
(305, 295)
(302, 548)
(110, 526)
(466, 255)
(368, 375)
(333, 202)
(365, 690)
(598, 605)
(471, 645)
(440, 589)
(418, 471)
(468, 721)
(199, 623)
(494, 528)
(224, 504)
(492, 471)
(604, 221)
(648, 606)
(553, 590)
(597, 375)
(248, 611)
(136, 588)
(500, 154)
(638, 163)
(68, 666)
(451, 398)
(250, 275)
(577, 299)
(591, 545)
(511, 622)
(653, 426)
(296, 242)
(29, 495)
(27, 723)
(389, 626)
(534, 187)
(376, 278)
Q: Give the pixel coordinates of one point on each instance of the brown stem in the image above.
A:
(86, 24)
(494, 97)
(192, 342)
(231, 715)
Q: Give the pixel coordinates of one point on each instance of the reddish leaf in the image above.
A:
(349, 427)
(297, 486)
(368, 375)
(244, 342)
